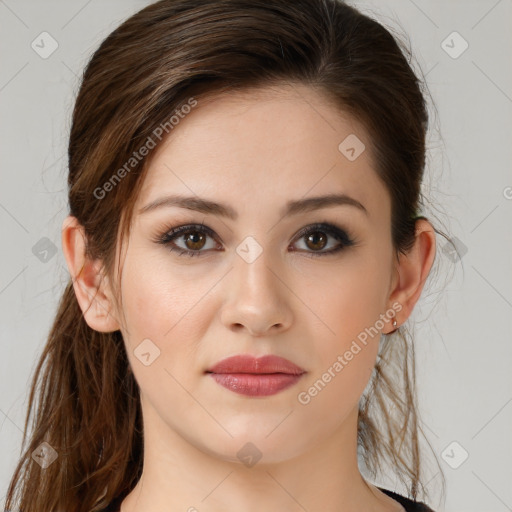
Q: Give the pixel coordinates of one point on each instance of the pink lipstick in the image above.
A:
(250, 376)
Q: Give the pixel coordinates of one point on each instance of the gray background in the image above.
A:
(463, 318)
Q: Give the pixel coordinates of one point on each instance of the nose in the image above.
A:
(258, 298)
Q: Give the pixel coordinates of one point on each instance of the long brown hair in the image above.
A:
(88, 407)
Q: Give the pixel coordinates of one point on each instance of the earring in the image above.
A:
(394, 325)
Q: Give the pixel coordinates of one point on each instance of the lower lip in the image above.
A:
(250, 384)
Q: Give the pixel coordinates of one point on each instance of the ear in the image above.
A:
(412, 270)
(89, 284)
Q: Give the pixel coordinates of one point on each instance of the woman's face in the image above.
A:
(255, 284)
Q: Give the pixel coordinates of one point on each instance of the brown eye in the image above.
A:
(321, 235)
(194, 241)
(316, 240)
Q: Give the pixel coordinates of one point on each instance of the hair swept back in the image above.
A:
(88, 406)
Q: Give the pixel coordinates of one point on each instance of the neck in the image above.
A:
(181, 474)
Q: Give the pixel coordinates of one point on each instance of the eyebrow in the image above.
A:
(292, 207)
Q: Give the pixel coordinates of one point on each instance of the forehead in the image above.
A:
(262, 147)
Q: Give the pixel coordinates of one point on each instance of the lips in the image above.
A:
(256, 377)
(245, 363)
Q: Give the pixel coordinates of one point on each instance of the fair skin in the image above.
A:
(255, 152)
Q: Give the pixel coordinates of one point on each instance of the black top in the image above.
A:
(408, 504)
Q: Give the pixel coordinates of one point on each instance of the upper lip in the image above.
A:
(245, 363)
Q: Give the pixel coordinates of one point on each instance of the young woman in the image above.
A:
(245, 244)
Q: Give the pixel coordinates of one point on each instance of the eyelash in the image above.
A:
(325, 227)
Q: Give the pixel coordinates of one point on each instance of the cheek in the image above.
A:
(350, 309)
(156, 297)
(345, 360)
(167, 308)
(352, 302)
(332, 395)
